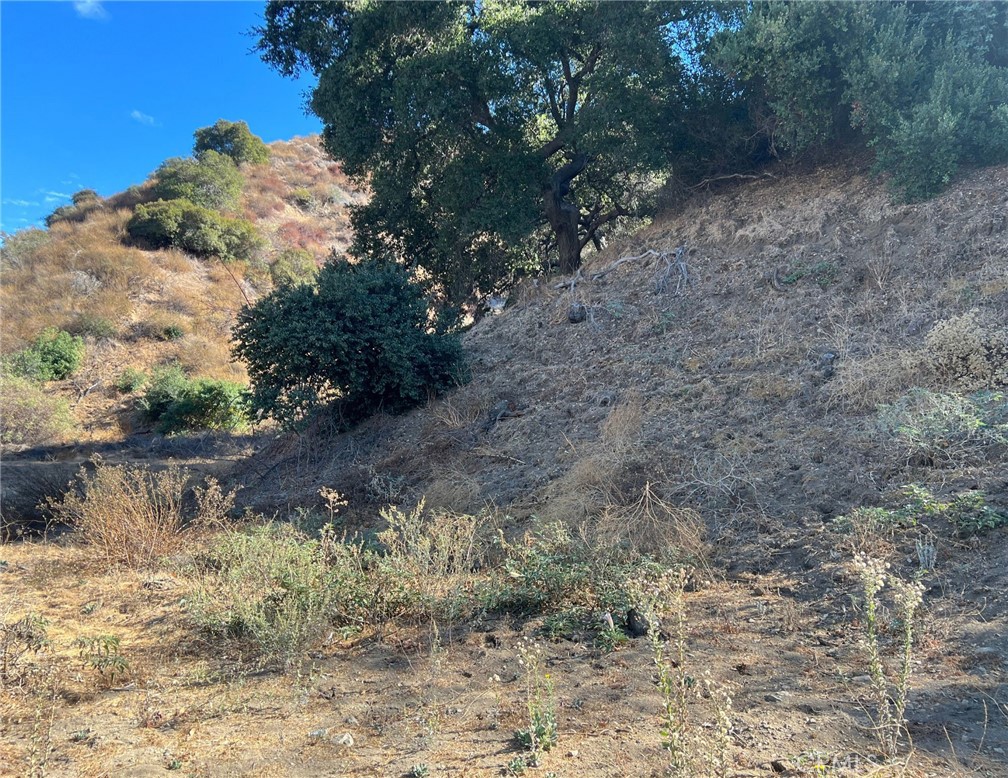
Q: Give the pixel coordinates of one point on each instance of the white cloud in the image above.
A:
(143, 118)
(90, 9)
(20, 203)
(55, 197)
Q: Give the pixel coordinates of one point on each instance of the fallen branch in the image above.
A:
(709, 181)
(622, 260)
(676, 262)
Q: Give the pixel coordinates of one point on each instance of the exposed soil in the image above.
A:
(745, 388)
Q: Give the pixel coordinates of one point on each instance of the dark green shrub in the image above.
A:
(360, 340)
(172, 332)
(192, 228)
(233, 139)
(212, 181)
(166, 386)
(293, 266)
(54, 356)
(86, 197)
(923, 84)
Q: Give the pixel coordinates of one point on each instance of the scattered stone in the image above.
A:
(776, 697)
(573, 753)
(636, 623)
(779, 766)
(319, 734)
(351, 720)
(577, 313)
(346, 739)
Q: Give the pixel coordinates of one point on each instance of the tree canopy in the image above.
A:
(489, 131)
(233, 139)
(496, 134)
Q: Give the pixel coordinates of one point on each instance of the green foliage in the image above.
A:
(212, 181)
(176, 403)
(192, 228)
(360, 340)
(205, 404)
(29, 415)
(85, 197)
(233, 139)
(303, 198)
(29, 634)
(102, 653)
(268, 587)
(936, 429)
(923, 84)
(131, 380)
(54, 356)
(292, 267)
(459, 116)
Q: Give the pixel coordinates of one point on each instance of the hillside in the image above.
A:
(734, 388)
(139, 309)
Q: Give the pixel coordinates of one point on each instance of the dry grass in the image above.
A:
(135, 516)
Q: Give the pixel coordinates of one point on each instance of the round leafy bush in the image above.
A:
(212, 181)
(359, 340)
(192, 228)
(293, 266)
(233, 139)
(176, 403)
(54, 356)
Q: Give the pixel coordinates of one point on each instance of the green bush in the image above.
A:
(292, 267)
(359, 340)
(131, 380)
(29, 415)
(192, 228)
(923, 84)
(268, 587)
(19, 248)
(55, 355)
(233, 139)
(205, 404)
(212, 181)
(303, 198)
(176, 403)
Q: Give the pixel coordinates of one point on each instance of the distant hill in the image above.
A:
(137, 309)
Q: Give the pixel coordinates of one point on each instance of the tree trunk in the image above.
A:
(563, 216)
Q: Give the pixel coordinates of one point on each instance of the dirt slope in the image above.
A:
(747, 388)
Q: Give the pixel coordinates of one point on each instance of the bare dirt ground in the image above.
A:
(745, 385)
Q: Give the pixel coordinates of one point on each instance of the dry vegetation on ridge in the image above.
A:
(733, 425)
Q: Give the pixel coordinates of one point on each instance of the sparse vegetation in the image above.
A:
(29, 415)
(131, 514)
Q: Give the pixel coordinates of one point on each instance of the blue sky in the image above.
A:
(97, 94)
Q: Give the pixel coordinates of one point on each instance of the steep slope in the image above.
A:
(746, 385)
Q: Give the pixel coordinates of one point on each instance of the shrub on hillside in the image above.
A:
(176, 403)
(360, 339)
(29, 415)
(212, 181)
(19, 247)
(233, 139)
(292, 267)
(184, 225)
(54, 356)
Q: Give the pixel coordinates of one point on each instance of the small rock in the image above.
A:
(776, 697)
(577, 313)
(319, 734)
(778, 766)
(636, 623)
(346, 739)
(573, 753)
(351, 720)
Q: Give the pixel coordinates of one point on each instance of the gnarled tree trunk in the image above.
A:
(563, 216)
